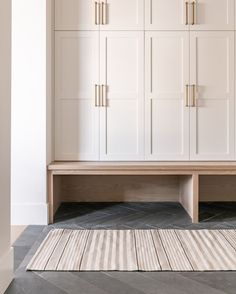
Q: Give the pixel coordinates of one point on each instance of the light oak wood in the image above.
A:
(141, 181)
(142, 167)
(56, 193)
(50, 196)
(189, 197)
(119, 188)
(217, 188)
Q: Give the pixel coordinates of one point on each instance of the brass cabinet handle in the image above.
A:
(100, 95)
(193, 11)
(97, 13)
(193, 104)
(104, 13)
(104, 95)
(186, 12)
(192, 96)
(97, 96)
(187, 95)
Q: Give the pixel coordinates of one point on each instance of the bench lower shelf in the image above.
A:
(179, 179)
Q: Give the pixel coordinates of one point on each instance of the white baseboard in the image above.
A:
(29, 214)
(6, 270)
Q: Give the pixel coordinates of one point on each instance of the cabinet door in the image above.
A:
(122, 71)
(167, 116)
(212, 14)
(212, 119)
(76, 14)
(122, 15)
(76, 73)
(166, 14)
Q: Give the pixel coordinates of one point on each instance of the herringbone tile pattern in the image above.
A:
(123, 216)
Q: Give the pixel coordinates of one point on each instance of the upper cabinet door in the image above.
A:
(76, 115)
(212, 14)
(212, 114)
(122, 15)
(77, 14)
(167, 14)
(167, 111)
(122, 77)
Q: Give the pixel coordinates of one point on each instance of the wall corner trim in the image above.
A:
(6, 270)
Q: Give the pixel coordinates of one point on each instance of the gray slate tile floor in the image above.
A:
(123, 216)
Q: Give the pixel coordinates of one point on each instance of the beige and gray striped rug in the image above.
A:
(136, 250)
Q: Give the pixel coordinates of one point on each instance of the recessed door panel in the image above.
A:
(216, 114)
(212, 117)
(121, 128)
(76, 14)
(167, 126)
(166, 15)
(212, 14)
(122, 15)
(122, 68)
(76, 73)
(167, 116)
(75, 134)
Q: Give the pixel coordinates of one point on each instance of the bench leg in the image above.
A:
(189, 195)
(50, 198)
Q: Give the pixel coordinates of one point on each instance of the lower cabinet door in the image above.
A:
(122, 75)
(167, 113)
(76, 74)
(212, 77)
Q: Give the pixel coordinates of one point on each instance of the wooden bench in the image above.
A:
(189, 173)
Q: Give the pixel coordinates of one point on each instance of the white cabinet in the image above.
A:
(189, 14)
(144, 80)
(76, 117)
(120, 107)
(212, 117)
(122, 72)
(166, 15)
(167, 117)
(204, 130)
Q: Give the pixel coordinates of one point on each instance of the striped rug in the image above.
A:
(136, 250)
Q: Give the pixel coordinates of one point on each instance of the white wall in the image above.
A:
(29, 200)
(6, 253)
(50, 80)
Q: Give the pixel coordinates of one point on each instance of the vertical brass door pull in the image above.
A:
(97, 13)
(104, 96)
(186, 12)
(104, 13)
(187, 95)
(193, 12)
(97, 96)
(193, 102)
